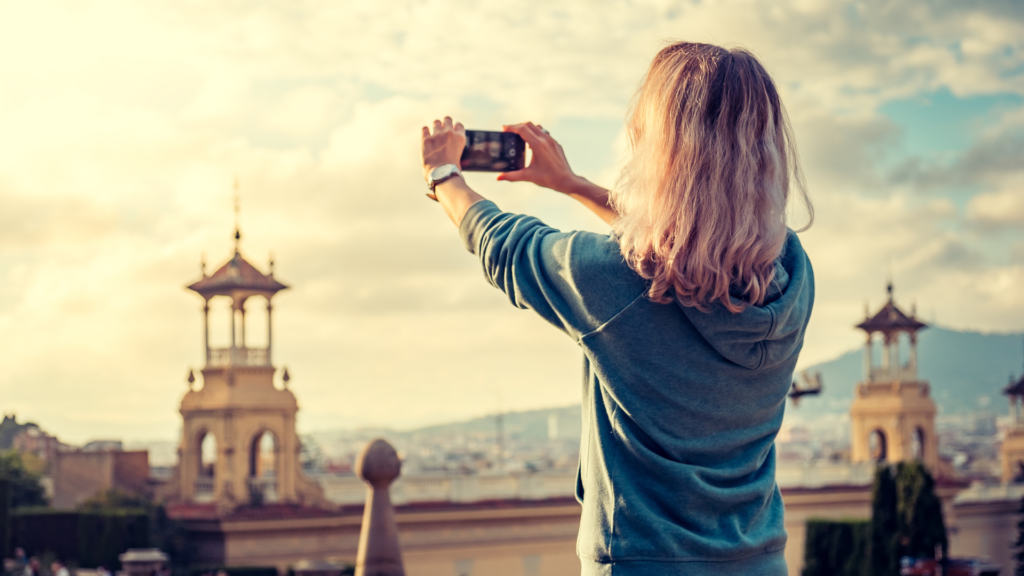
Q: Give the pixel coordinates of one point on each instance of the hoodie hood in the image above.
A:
(766, 335)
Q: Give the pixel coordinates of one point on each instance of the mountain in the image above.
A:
(526, 425)
(967, 371)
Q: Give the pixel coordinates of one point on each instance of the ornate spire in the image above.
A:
(238, 210)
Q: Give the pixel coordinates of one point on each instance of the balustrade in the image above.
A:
(238, 356)
(204, 489)
(266, 487)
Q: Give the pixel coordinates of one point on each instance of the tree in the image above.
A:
(883, 555)
(906, 517)
(1019, 545)
(920, 512)
(164, 533)
(26, 489)
(114, 499)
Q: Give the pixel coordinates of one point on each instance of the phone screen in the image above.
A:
(489, 151)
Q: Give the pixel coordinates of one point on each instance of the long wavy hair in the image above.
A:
(702, 198)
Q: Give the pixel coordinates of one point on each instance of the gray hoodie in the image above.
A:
(680, 407)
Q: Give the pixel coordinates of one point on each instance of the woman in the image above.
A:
(690, 315)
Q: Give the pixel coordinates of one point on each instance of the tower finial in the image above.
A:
(888, 278)
(238, 210)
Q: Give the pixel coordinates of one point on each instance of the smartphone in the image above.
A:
(488, 151)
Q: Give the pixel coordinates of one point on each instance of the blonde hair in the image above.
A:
(702, 198)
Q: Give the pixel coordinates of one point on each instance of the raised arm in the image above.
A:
(549, 168)
(442, 147)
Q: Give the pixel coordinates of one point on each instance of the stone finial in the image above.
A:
(378, 464)
(379, 552)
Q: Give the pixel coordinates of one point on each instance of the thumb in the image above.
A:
(515, 176)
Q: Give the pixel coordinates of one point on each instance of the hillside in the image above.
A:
(967, 371)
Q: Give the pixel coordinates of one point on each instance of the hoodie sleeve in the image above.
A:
(528, 261)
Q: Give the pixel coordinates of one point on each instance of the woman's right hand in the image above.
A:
(548, 167)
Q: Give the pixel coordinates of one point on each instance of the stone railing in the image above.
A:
(238, 357)
(457, 487)
(266, 486)
(822, 473)
(204, 489)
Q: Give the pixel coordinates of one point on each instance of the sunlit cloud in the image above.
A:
(123, 126)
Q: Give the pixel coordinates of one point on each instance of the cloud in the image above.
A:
(125, 124)
(1002, 208)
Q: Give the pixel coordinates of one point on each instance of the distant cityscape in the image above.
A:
(970, 432)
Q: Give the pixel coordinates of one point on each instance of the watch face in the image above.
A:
(441, 171)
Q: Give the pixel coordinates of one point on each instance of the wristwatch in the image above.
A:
(439, 175)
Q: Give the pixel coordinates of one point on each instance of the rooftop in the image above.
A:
(891, 319)
(237, 275)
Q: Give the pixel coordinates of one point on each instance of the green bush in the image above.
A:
(103, 536)
(837, 548)
(5, 518)
(86, 539)
(233, 570)
(26, 489)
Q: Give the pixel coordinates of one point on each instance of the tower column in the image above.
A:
(894, 356)
(241, 312)
(886, 349)
(270, 330)
(206, 328)
(867, 358)
(913, 354)
(233, 340)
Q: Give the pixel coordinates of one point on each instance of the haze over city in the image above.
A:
(124, 127)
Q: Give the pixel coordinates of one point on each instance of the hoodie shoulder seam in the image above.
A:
(641, 296)
(762, 344)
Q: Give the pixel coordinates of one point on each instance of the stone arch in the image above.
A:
(918, 438)
(264, 453)
(206, 453)
(264, 459)
(878, 445)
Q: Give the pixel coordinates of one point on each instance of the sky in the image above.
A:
(123, 125)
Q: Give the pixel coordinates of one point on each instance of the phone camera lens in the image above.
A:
(512, 152)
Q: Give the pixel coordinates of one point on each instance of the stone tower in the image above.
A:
(238, 443)
(893, 415)
(1011, 451)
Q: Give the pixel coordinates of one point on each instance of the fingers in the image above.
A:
(446, 124)
(528, 132)
(515, 176)
(426, 131)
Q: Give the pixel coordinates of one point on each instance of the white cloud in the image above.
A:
(1001, 208)
(124, 125)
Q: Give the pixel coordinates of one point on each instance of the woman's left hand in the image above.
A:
(444, 146)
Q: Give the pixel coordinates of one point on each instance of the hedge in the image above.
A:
(233, 570)
(87, 539)
(837, 548)
(5, 518)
